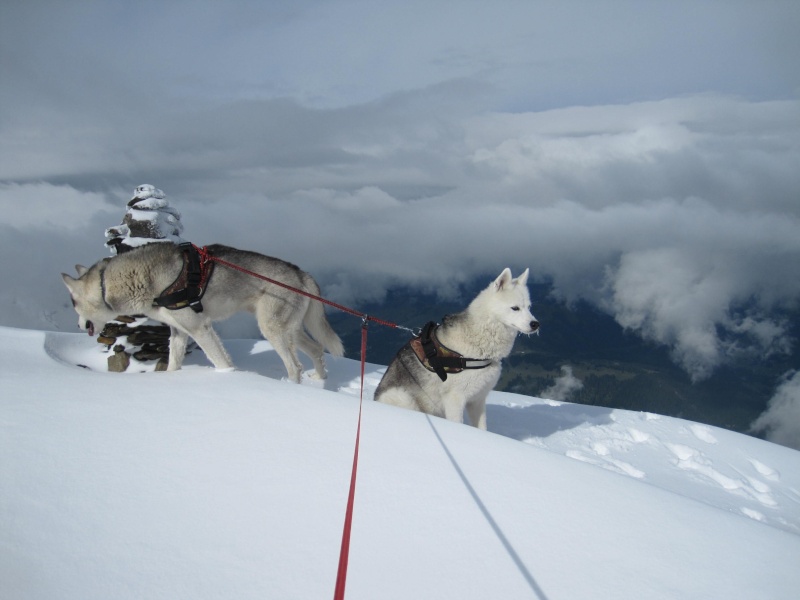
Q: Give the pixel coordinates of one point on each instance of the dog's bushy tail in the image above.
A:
(317, 324)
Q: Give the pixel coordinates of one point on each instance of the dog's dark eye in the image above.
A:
(515, 308)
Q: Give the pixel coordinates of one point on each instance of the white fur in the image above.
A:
(485, 330)
(127, 284)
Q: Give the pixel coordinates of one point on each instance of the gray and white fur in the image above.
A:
(486, 329)
(127, 284)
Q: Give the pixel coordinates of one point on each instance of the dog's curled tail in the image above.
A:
(317, 324)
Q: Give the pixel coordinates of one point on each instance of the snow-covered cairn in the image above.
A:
(149, 219)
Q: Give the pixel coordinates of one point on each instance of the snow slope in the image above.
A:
(198, 484)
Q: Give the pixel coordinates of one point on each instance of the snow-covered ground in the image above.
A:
(198, 484)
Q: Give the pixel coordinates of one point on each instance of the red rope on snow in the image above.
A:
(344, 552)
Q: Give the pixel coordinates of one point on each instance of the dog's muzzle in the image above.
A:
(534, 326)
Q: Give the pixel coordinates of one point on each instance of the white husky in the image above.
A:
(129, 283)
(469, 346)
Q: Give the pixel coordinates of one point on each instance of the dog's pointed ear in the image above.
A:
(68, 281)
(503, 280)
(81, 270)
(522, 279)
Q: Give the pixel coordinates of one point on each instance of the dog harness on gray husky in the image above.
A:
(190, 286)
(438, 358)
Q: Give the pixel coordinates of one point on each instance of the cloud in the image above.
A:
(781, 421)
(44, 230)
(687, 298)
(47, 208)
(427, 150)
(564, 386)
(638, 209)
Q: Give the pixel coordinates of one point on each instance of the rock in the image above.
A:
(148, 219)
(119, 361)
(144, 342)
(127, 319)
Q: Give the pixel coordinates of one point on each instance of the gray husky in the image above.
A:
(455, 365)
(129, 283)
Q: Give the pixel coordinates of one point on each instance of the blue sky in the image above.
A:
(641, 155)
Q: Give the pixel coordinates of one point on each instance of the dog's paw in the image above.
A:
(310, 378)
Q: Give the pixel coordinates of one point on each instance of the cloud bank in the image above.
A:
(677, 217)
(781, 421)
(656, 180)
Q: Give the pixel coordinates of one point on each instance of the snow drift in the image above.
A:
(197, 484)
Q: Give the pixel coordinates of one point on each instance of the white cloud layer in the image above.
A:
(686, 232)
(416, 145)
(781, 421)
(564, 387)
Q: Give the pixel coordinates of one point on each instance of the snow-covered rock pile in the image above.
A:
(138, 338)
(149, 219)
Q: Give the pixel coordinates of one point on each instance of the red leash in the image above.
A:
(207, 256)
(344, 552)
